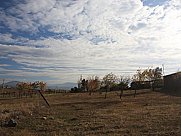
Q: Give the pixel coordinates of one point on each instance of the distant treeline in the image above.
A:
(143, 79)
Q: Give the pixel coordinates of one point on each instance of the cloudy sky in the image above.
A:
(58, 40)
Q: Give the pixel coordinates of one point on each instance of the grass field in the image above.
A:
(149, 113)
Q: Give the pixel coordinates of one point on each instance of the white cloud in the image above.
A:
(108, 36)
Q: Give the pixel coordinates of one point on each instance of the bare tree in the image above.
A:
(137, 79)
(82, 84)
(40, 86)
(148, 75)
(108, 81)
(93, 84)
(153, 75)
(139, 76)
(123, 84)
(21, 86)
(2, 86)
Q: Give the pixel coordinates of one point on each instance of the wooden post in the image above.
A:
(44, 98)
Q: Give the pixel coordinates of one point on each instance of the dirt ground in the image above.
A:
(149, 113)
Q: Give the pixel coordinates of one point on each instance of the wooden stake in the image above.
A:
(44, 98)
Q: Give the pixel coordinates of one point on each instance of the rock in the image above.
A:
(5, 111)
(146, 104)
(73, 119)
(45, 118)
(51, 117)
(11, 123)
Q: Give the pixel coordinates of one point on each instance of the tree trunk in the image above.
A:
(90, 92)
(121, 94)
(106, 93)
(135, 93)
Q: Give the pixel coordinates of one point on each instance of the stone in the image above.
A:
(5, 111)
(11, 123)
(51, 117)
(45, 118)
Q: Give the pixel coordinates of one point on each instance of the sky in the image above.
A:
(57, 41)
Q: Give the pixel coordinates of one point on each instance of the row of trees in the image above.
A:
(148, 74)
(90, 84)
(112, 82)
(38, 85)
(31, 87)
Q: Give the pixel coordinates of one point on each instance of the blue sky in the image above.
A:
(58, 40)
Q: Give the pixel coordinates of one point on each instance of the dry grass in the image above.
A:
(150, 113)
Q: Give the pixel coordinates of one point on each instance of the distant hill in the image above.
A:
(11, 84)
(65, 86)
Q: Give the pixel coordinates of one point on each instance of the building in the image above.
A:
(172, 82)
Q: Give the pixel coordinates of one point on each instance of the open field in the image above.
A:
(149, 113)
